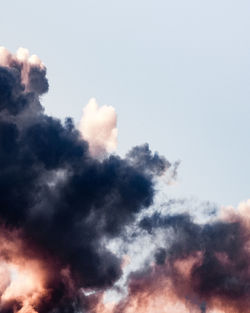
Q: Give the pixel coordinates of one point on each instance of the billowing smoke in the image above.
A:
(98, 127)
(58, 204)
(196, 268)
(71, 213)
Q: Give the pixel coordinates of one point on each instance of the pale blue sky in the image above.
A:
(177, 72)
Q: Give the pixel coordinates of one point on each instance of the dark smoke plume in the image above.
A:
(205, 263)
(60, 201)
(59, 207)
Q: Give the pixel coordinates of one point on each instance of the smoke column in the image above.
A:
(58, 204)
(65, 200)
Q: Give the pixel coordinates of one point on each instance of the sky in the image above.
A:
(177, 73)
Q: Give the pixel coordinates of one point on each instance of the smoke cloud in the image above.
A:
(70, 211)
(206, 266)
(58, 203)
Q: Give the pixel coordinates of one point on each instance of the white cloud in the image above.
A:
(98, 127)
